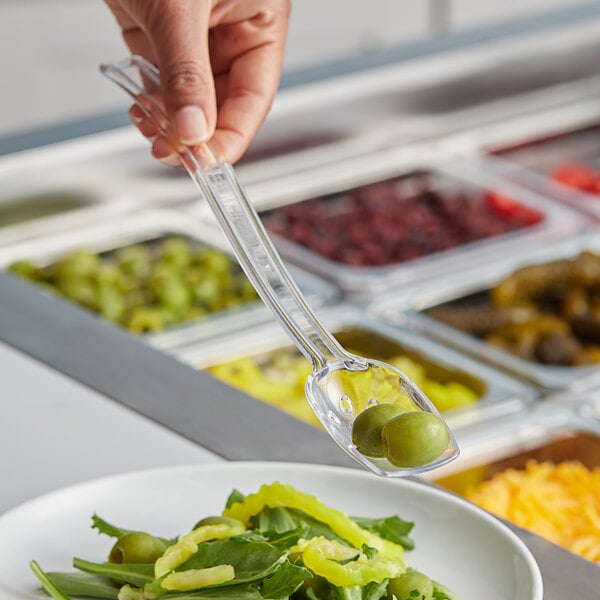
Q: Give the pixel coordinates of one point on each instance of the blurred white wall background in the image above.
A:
(50, 49)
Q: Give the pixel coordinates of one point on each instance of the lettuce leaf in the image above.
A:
(394, 529)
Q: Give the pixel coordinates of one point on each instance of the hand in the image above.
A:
(220, 64)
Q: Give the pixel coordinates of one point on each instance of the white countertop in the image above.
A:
(56, 432)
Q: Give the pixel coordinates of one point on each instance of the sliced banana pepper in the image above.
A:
(321, 556)
(187, 545)
(194, 579)
(389, 561)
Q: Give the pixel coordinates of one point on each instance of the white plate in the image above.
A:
(456, 543)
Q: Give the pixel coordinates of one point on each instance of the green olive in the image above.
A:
(226, 282)
(215, 261)
(176, 251)
(146, 286)
(176, 296)
(247, 290)
(414, 439)
(136, 548)
(78, 290)
(231, 301)
(218, 520)
(110, 304)
(194, 275)
(134, 260)
(24, 268)
(145, 318)
(195, 312)
(405, 586)
(208, 292)
(138, 297)
(367, 427)
(109, 275)
(78, 264)
(162, 275)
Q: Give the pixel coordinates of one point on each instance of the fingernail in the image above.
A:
(172, 160)
(162, 149)
(136, 114)
(163, 152)
(191, 125)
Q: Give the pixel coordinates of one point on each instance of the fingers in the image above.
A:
(252, 86)
(178, 32)
(138, 118)
(248, 69)
(162, 150)
(243, 62)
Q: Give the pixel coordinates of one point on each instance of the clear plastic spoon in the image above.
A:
(342, 385)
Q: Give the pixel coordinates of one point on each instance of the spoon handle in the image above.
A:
(241, 224)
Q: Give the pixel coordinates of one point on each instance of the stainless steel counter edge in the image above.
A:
(202, 409)
(189, 402)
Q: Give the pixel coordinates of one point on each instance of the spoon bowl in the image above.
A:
(343, 389)
(342, 386)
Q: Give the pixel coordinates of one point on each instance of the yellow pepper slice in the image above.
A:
(320, 555)
(187, 545)
(193, 579)
(282, 495)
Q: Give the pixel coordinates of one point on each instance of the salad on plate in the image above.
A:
(274, 544)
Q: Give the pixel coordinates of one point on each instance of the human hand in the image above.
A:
(220, 64)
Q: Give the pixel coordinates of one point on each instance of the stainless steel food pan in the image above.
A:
(533, 162)
(407, 306)
(148, 226)
(498, 393)
(528, 148)
(562, 428)
(35, 207)
(445, 174)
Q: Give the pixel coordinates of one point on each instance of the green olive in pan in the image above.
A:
(81, 291)
(78, 264)
(146, 318)
(215, 261)
(175, 297)
(162, 276)
(110, 275)
(247, 291)
(24, 268)
(110, 304)
(134, 260)
(176, 252)
(207, 292)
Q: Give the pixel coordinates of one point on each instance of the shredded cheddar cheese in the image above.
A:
(560, 502)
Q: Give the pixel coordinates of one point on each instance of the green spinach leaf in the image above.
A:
(284, 582)
(86, 585)
(106, 528)
(137, 575)
(393, 529)
(251, 560)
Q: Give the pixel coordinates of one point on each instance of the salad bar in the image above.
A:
(461, 245)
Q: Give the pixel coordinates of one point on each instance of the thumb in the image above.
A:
(180, 41)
